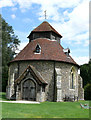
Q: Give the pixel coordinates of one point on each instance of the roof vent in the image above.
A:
(66, 51)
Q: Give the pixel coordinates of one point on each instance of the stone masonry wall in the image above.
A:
(10, 87)
(65, 70)
(46, 69)
(80, 88)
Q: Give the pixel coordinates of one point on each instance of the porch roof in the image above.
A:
(34, 73)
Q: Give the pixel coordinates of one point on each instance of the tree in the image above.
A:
(87, 92)
(86, 75)
(10, 44)
(0, 55)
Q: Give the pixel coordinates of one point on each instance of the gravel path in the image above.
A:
(21, 101)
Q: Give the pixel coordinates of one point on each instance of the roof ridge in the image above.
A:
(52, 28)
(45, 26)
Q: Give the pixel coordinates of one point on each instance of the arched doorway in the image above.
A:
(29, 90)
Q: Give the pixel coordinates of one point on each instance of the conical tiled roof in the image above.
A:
(50, 50)
(45, 27)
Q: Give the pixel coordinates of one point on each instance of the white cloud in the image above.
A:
(14, 8)
(51, 6)
(81, 60)
(77, 28)
(21, 46)
(13, 16)
(23, 4)
(5, 3)
(80, 17)
(73, 25)
(86, 43)
(47, 3)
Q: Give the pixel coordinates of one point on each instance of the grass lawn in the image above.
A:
(45, 110)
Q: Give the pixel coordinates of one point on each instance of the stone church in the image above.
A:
(44, 70)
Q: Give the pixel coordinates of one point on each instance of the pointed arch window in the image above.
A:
(37, 49)
(15, 73)
(72, 78)
(72, 75)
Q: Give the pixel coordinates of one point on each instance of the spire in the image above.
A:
(45, 14)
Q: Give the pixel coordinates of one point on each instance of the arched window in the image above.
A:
(15, 73)
(72, 78)
(37, 49)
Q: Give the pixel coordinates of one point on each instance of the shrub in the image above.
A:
(87, 92)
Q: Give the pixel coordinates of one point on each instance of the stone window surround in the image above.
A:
(71, 72)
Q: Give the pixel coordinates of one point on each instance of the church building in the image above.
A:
(44, 70)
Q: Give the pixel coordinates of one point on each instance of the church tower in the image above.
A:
(45, 30)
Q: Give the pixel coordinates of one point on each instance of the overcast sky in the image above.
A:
(69, 17)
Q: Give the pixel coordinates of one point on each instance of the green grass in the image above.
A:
(45, 110)
(3, 96)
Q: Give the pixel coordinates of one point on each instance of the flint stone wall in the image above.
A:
(47, 70)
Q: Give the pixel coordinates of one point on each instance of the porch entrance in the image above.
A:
(29, 90)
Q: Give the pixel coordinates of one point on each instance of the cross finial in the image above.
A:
(45, 14)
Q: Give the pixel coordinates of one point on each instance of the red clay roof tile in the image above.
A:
(45, 26)
(50, 50)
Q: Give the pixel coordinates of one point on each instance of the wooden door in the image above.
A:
(29, 90)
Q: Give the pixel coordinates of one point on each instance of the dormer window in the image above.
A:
(37, 49)
(67, 51)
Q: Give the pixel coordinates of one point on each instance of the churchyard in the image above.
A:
(44, 110)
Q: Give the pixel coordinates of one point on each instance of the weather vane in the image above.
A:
(45, 14)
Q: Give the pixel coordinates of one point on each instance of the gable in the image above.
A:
(31, 72)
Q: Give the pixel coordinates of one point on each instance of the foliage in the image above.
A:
(87, 92)
(86, 73)
(0, 61)
(3, 96)
(10, 44)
